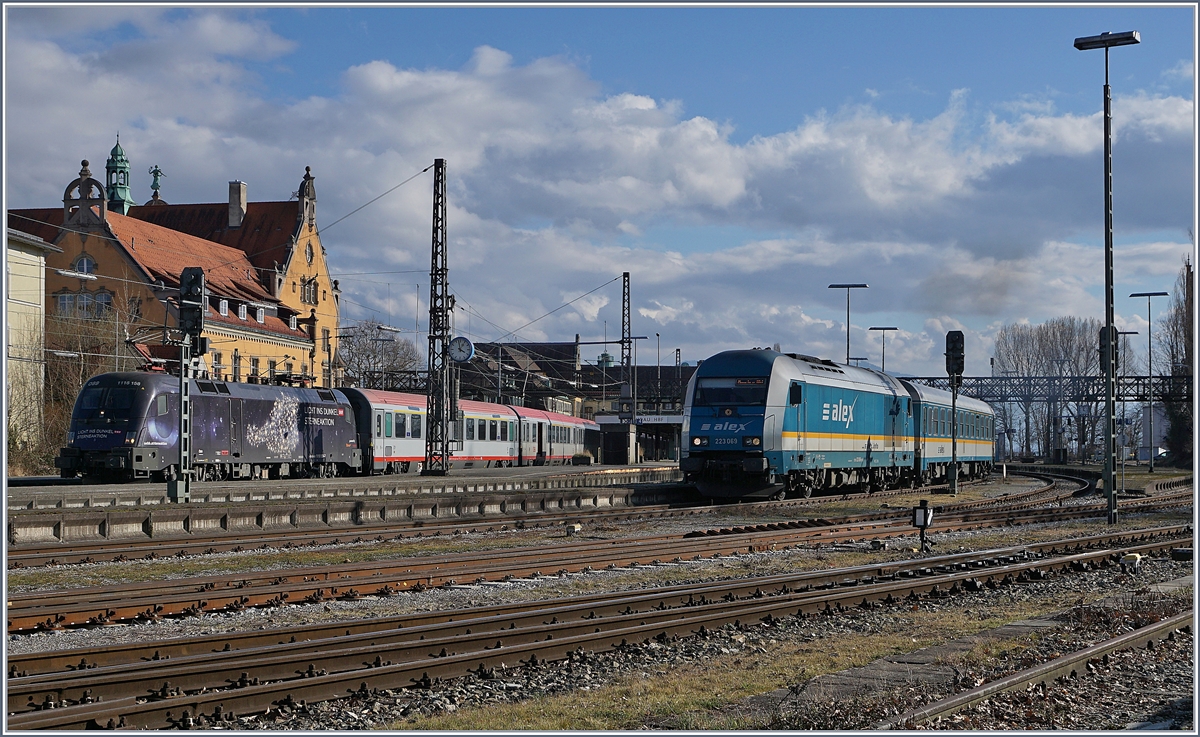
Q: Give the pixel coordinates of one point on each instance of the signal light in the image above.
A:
(191, 301)
(955, 353)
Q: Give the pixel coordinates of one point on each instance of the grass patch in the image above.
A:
(707, 695)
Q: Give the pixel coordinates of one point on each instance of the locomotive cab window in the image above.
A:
(722, 391)
(162, 404)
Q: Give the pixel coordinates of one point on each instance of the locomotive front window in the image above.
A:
(725, 391)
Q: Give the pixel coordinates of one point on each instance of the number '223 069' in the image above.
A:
(725, 441)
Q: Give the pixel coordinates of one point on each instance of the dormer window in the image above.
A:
(242, 312)
(261, 315)
(224, 308)
(292, 322)
(85, 265)
(206, 304)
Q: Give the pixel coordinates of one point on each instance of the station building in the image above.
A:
(272, 310)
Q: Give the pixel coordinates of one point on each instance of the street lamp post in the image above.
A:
(1085, 43)
(848, 287)
(1150, 372)
(883, 337)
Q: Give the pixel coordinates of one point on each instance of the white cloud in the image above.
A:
(1183, 70)
(949, 223)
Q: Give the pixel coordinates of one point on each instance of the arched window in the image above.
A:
(85, 264)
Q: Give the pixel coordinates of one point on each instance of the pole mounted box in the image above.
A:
(191, 301)
(955, 353)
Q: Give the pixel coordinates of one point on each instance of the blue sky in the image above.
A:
(734, 160)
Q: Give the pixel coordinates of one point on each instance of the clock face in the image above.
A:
(461, 350)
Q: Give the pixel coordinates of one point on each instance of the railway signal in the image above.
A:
(191, 324)
(955, 363)
(191, 301)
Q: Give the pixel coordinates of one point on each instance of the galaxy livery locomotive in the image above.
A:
(126, 426)
(760, 423)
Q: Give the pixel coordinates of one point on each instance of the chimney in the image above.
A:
(237, 203)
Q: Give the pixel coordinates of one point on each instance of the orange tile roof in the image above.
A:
(264, 235)
(163, 253)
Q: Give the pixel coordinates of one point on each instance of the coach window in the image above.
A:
(504, 431)
(400, 430)
(387, 424)
(470, 430)
(378, 425)
(492, 430)
(416, 426)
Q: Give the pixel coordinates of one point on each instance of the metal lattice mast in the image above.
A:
(626, 334)
(437, 439)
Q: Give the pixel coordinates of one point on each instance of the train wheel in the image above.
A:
(170, 473)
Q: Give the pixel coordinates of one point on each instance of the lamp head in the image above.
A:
(1105, 40)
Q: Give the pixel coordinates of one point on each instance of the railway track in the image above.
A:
(508, 512)
(1066, 666)
(185, 683)
(378, 578)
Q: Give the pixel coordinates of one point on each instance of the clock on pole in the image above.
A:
(461, 350)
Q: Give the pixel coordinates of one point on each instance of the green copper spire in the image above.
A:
(119, 199)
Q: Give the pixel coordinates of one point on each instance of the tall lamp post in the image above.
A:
(848, 287)
(883, 365)
(1086, 43)
(1150, 371)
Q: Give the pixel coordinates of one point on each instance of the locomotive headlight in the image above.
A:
(752, 441)
(130, 438)
(699, 440)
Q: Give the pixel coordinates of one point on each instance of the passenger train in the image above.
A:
(125, 426)
(759, 423)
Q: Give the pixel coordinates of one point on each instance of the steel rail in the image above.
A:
(21, 665)
(553, 640)
(1067, 665)
(233, 592)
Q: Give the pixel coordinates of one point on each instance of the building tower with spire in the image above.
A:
(119, 198)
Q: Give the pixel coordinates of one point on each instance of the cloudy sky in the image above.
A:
(735, 161)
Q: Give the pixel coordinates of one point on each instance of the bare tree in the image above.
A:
(371, 354)
(1060, 347)
(1173, 353)
(1016, 353)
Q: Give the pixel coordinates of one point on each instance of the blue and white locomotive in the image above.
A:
(759, 423)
